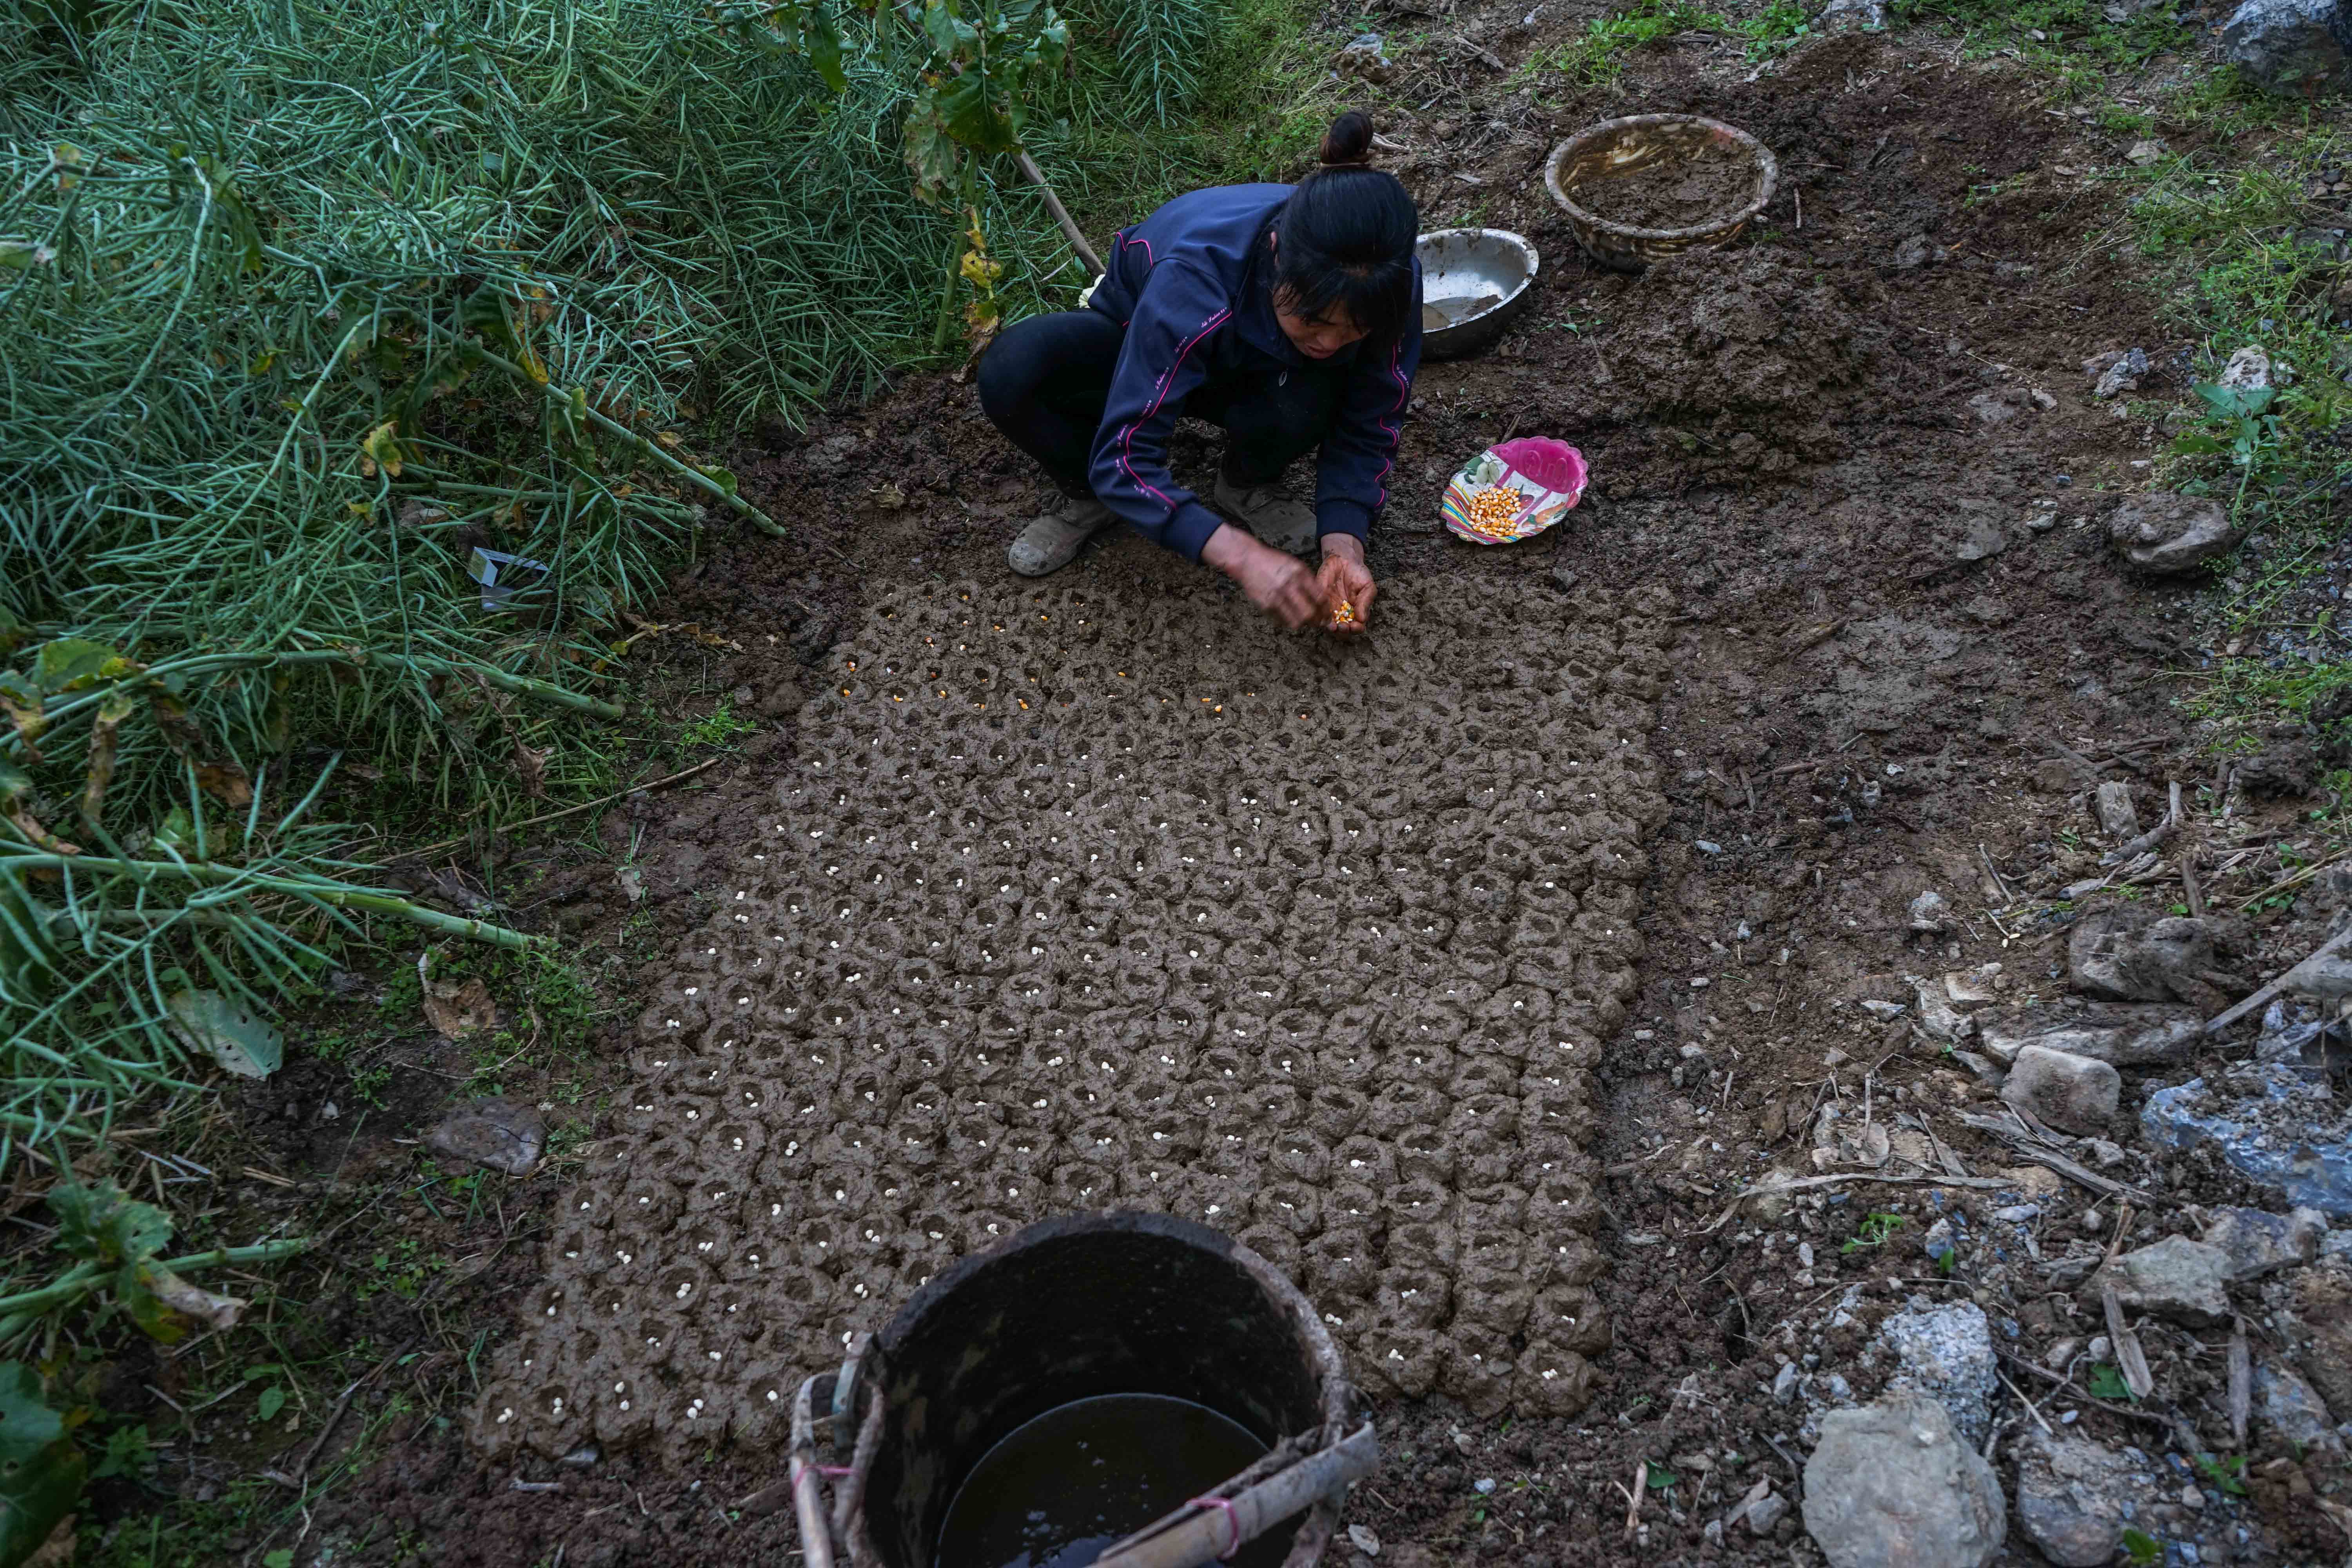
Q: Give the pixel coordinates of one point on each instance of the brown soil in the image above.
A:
(1682, 192)
(1870, 657)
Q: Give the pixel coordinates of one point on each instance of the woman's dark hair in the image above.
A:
(1346, 238)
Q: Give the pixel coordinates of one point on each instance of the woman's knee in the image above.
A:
(1006, 378)
(1061, 349)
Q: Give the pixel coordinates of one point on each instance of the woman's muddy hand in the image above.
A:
(1276, 582)
(1345, 585)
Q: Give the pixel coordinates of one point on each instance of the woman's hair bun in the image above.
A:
(1348, 141)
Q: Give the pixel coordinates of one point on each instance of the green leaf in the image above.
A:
(931, 152)
(209, 1022)
(36, 1495)
(127, 1452)
(2233, 402)
(273, 1400)
(950, 34)
(2141, 1547)
(824, 52)
(69, 664)
(382, 445)
(2195, 443)
(178, 832)
(281, 1558)
(27, 1425)
(105, 1224)
(1660, 1477)
(2108, 1382)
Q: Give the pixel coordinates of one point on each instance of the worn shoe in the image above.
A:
(1269, 513)
(1051, 540)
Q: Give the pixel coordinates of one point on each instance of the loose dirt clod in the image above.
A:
(1128, 901)
(1748, 331)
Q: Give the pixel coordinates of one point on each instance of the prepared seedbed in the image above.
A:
(1125, 900)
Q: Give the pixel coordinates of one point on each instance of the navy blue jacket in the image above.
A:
(1191, 285)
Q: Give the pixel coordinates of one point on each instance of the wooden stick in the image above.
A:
(2123, 853)
(2130, 1357)
(1214, 1531)
(2242, 1382)
(2261, 998)
(1641, 1491)
(1070, 230)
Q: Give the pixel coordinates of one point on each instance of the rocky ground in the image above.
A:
(1937, 1225)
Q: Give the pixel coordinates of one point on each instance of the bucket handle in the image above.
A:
(808, 1482)
(1209, 1528)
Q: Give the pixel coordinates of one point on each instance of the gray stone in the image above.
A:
(2257, 1243)
(1945, 1353)
(2294, 1409)
(2289, 46)
(2176, 1277)
(1785, 1381)
(2115, 372)
(1765, 1512)
(1930, 913)
(2077, 1094)
(494, 1133)
(1891, 1483)
(1938, 1014)
(1998, 407)
(1839, 14)
(2164, 533)
(2130, 954)
(2075, 1498)
(2323, 979)
(2144, 151)
(2127, 1035)
(2281, 1129)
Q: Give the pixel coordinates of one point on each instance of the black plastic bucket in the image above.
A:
(1072, 1308)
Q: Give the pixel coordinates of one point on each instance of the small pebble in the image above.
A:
(1483, 1485)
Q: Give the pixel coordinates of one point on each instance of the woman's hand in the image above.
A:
(1346, 580)
(1276, 582)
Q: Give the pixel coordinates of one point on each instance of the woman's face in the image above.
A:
(1316, 337)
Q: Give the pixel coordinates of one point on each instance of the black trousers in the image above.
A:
(1044, 380)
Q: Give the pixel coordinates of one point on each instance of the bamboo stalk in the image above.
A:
(1070, 230)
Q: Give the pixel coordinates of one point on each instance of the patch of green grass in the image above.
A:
(1876, 1229)
(715, 728)
(368, 1084)
(2224, 1475)
(2070, 39)
(1596, 57)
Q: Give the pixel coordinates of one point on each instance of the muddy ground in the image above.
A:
(1859, 453)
